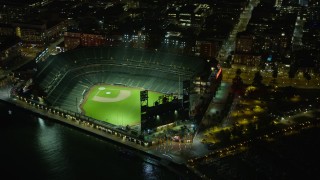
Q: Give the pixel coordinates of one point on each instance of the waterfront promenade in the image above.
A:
(172, 155)
(175, 163)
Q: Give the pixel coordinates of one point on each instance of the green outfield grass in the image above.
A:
(117, 105)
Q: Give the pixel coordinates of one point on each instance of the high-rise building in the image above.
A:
(303, 2)
(40, 33)
(244, 43)
(314, 3)
(75, 39)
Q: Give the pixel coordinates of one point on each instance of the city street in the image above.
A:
(229, 44)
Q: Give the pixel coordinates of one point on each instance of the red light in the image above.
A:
(219, 72)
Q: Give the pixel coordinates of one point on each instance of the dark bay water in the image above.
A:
(36, 148)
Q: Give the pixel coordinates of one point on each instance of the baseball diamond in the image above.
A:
(117, 105)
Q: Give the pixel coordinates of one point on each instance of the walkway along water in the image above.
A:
(175, 165)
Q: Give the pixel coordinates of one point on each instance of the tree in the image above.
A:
(236, 130)
(274, 75)
(238, 72)
(251, 128)
(257, 80)
(224, 135)
(237, 82)
(307, 76)
(229, 60)
(292, 72)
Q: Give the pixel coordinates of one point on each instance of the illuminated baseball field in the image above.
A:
(117, 105)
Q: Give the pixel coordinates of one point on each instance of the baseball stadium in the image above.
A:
(104, 83)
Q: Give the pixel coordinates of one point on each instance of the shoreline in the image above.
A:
(179, 168)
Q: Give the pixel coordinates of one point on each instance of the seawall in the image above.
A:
(139, 151)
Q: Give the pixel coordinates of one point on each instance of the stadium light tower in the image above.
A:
(77, 105)
(144, 106)
(179, 93)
